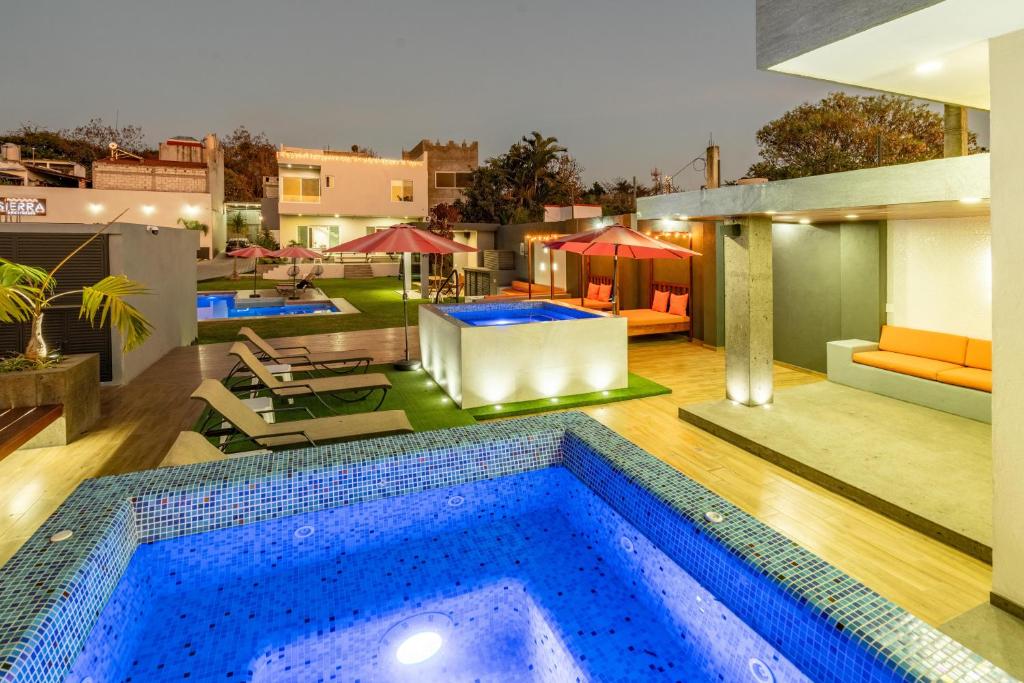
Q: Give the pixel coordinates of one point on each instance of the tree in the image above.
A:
(27, 292)
(513, 187)
(616, 196)
(441, 217)
(83, 144)
(841, 133)
(247, 158)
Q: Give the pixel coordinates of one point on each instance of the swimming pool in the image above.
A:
(539, 312)
(223, 306)
(540, 549)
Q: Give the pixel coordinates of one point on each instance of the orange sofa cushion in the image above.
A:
(678, 304)
(979, 355)
(645, 316)
(926, 368)
(604, 293)
(972, 378)
(592, 290)
(949, 348)
(521, 286)
(597, 305)
(660, 303)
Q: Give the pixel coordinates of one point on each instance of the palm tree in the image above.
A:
(26, 292)
(542, 151)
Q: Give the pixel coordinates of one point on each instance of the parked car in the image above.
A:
(237, 243)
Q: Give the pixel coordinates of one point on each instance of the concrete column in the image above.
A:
(1006, 62)
(748, 311)
(955, 121)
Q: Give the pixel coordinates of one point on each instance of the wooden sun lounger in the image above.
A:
(250, 427)
(303, 360)
(314, 386)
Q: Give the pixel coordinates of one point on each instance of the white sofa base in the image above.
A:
(971, 403)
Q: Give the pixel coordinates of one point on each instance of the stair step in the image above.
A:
(358, 270)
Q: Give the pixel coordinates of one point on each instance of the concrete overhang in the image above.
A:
(940, 188)
(932, 49)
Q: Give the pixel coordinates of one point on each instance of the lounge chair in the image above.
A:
(192, 447)
(249, 427)
(336, 386)
(303, 360)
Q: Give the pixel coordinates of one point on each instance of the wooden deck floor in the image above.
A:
(141, 420)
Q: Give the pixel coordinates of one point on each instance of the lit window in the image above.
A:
(401, 190)
(298, 189)
(452, 179)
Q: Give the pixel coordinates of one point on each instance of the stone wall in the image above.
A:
(450, 156)
(106, 176)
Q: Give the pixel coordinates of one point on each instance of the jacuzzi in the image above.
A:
(493, 353)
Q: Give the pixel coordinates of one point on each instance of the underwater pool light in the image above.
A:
(419, 647)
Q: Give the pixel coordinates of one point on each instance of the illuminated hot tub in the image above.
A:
(488, 353)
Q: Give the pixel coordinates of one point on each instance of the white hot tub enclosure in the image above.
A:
(487, 365)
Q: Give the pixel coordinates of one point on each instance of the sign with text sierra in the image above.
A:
(22, 206)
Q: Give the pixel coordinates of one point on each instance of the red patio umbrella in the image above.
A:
(295, 252)
(405, 239)
(615, 241)
(255, 253)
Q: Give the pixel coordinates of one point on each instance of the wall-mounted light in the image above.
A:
(804, 221)
(770, 213)
(970, 200)
(148, 209)
(851, 216)
(190, 209)
(95, 208)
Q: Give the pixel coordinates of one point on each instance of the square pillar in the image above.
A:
(1006, 61)
(955, 143)
(748, 311)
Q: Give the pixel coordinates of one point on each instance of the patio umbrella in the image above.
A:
(255, 253)
(615, 241)
(296, 252)
(405, 239)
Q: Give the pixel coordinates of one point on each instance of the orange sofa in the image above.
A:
(521, 289)
(946, 358)
(947, 372)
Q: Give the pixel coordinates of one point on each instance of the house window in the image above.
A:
(452, 179)
(301, 189)
(401, 190)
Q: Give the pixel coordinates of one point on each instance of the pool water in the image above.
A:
(493, 315)
(222, 306)
(530, 577)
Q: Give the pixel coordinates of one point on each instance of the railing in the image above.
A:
(446, 286)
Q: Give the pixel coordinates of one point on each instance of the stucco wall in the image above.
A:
(166, 264)
(349, 227)
(940, 275)
(827, 285)
(1006, 57)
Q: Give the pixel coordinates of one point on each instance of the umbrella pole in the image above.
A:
(406, 363)
(255, 274)
(295, 271)
(615, 281)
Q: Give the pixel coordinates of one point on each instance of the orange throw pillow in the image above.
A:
(604, 293)
(592, 290)
(660, 303)
(677, 304)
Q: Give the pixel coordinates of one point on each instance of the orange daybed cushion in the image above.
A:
(593, 289)
(596, 304)
(678, 304)
(646, 316)
(604, 293)
(979, 355)
(948, 348)
(972, 378)
(926, 368)
(660, 303)
(521, 286)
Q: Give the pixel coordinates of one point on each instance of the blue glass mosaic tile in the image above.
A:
(640, 522)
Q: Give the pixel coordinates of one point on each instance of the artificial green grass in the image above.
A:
(378, 299)
(639, 387)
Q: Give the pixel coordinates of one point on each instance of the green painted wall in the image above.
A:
(828, 284)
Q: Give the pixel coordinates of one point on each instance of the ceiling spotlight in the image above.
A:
(970, 200)
(805, 221)
(852, 216)
(930, 67)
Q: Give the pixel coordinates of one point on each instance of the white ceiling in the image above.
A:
(939, 53)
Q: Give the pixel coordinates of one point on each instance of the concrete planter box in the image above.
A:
(74, 384)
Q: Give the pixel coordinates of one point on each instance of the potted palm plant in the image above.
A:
(39, 376)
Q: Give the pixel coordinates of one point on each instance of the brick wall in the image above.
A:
(451, 156)
(153, 178)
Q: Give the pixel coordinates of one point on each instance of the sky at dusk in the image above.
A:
(626, 86)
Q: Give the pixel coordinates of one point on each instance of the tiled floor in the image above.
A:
(141, 420)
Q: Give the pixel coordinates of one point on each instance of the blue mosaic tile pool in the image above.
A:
(540, 549)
